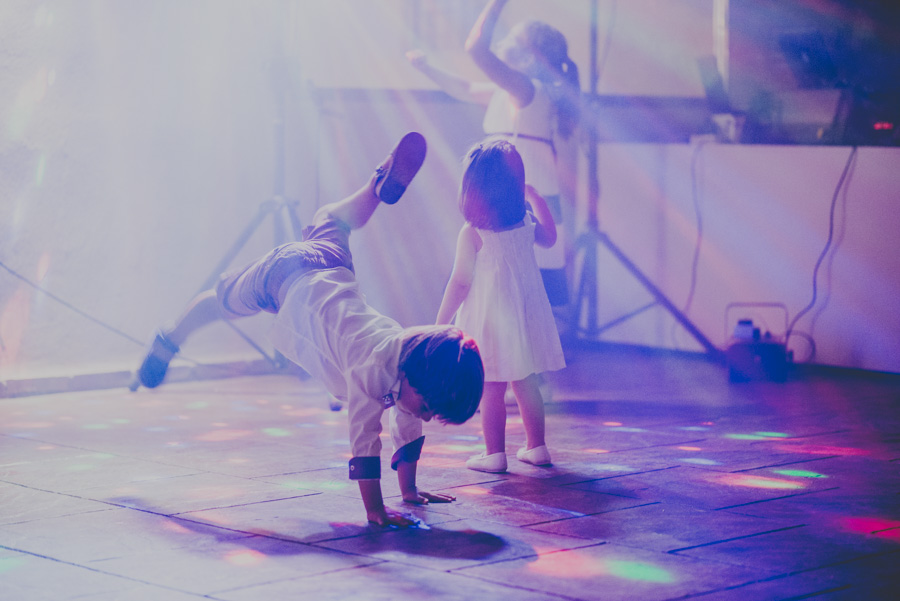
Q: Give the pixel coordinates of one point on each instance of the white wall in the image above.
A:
(764, 212)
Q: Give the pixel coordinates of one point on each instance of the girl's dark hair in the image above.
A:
(558, 73)
(444, 365)
(492, 192)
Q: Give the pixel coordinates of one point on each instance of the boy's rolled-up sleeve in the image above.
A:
(365, 430)
(406, 435)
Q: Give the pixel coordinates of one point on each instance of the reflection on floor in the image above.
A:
(668, 483)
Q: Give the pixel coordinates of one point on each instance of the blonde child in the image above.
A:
(532, 100)
(496, 293)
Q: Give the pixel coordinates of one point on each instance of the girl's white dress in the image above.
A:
(506, 309)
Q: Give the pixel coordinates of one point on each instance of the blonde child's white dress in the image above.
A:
(506, 309)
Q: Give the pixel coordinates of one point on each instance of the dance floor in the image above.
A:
(668, 483)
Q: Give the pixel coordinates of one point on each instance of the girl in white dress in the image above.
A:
(496, 293)
(532, 100)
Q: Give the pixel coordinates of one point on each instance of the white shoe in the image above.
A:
(493, 463)
(536, 456)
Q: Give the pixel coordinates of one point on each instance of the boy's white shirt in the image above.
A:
(326, 327)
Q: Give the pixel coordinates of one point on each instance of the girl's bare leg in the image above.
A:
(493, 417)
(531, 407)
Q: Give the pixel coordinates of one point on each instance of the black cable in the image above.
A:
(695, 197)
(604, 54)
(70, 306)
(824, 253)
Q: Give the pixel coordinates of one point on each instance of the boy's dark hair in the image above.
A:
(492, 192)
(443, 364)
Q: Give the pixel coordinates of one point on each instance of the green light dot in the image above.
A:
(633, 570)
(745, 437)
(41, 169)
(276, 432)
(773, 434)
(10, 563)
(800, 474)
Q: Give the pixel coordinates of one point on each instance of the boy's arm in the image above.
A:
(376, 512)
(406, 476)
(467, 245)
(545, 228)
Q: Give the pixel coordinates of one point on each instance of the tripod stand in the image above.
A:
(277, 207)
(590, 241)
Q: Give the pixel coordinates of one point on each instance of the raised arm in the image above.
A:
(457, 87)
(545, 228)
(478, 45)
(468, 243)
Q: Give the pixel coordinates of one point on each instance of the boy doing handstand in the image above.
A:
(365, 359)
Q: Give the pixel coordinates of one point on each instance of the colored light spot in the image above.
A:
(571, 565)
(10, 563)
(613, 467)
(40, 170)
(594, 451)
(700, 461)
(773, 434)
(759, 482)
(612, 423)
(80, 467)
(175, 527)
(689, 448)
(625, 429)
(197, 405)
(813, 449)
(633, 570)
(474, 490)
(745, 437)
(694, 428)
(875, 526)
(276, 432)
(799, 474)
(245, 558)
(468, 437)
(223, 435)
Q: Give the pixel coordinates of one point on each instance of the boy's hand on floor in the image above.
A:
(424, 498)
(389, 517)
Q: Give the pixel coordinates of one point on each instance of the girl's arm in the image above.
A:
(478, 45)
(468, 243)
(457, 87)
(545, 228)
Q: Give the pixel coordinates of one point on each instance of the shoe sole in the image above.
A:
(406, 161)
